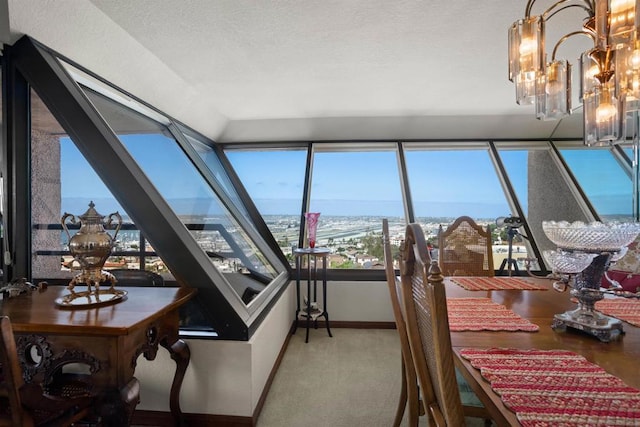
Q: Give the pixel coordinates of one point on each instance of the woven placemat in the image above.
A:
(621, 308)
(497, 284)
(478, 314)
(556, 388)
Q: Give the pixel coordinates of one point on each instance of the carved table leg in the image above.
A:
(181, 354)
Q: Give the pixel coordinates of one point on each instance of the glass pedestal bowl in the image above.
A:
(585, 251)
(590, 237)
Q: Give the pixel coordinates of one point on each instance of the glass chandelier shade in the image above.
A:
(588, 71)
(554, 91)
(621, 20)
(628, 59)
(526, 57)
(603, 116)
(609, 73)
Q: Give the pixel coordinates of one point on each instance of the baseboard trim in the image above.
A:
(163, 419)
(349, 324)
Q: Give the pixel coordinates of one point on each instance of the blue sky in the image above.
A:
(442, 183)
(368, 183)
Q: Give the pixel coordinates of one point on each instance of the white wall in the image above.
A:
(228, 377)
(359, 302)
(80, 31)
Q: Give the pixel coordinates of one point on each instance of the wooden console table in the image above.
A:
(108, 339)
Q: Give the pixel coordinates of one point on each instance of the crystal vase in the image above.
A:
(312, 225)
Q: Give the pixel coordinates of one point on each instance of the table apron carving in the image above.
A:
(101, 345)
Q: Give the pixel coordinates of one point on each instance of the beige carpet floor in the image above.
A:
(350, 380)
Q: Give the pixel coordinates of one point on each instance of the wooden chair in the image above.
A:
(136, 277)
(28, 405)
(427, 323)
(409, 393)
(464, 249)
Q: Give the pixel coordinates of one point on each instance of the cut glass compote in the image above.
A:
(584, 252)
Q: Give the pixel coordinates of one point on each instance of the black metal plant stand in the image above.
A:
(310, 310)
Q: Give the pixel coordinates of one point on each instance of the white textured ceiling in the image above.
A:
(247, 70)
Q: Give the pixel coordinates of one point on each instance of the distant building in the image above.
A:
(365, 260)
(335, 259)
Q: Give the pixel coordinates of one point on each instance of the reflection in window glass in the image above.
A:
(275, 181)
(210, 158)
(603, 180)
(353, 191)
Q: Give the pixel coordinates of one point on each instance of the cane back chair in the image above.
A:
(409, 393)
(427, 323)
(464, 249)
(29, 405)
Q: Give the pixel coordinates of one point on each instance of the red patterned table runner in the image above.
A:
(556, 388)
(621, 308)
(477, 314)
(496, 283)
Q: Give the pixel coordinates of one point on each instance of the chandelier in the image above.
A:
(609, 86)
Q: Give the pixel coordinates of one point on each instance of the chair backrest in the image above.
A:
(425, 309)
(135, 277)
(394, 292)
(10, 379)
(465, 249)
(27, 404)
(393, 284)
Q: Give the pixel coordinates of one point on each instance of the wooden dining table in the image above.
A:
(620, 358)
(106, 339)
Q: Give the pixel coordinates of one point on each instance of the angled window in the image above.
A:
(604, 179)
(275, 181)
(188, 210)
(219, 233)
(63, 182)
(534, 178)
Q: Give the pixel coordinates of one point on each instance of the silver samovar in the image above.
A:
(584, 253)
(90, 247)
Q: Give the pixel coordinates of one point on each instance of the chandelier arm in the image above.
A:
(566, 36)
(527, 10)
(587, 5)
(551, 9)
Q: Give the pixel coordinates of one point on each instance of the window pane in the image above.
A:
(519, 164)
(62, 181)
(603, 180)
(353, 191)
(275, 182)
(211, 160)
(191, 198)
(515, 163)
(449, 184)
